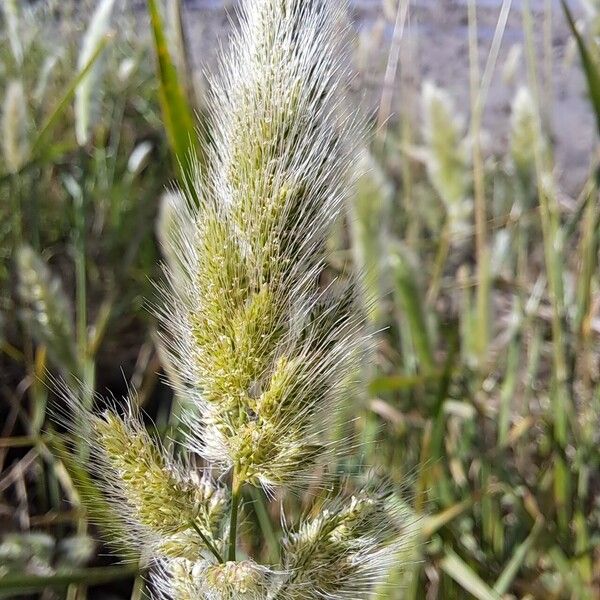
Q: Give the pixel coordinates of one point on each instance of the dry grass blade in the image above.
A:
(454, 566)
(87, 90)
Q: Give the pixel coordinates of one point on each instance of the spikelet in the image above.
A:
(47, 310)
(171, 510)
(369, 218)
(11, 16)
(265, 350)
(512, 63)
(525, 132)
(446, 156)
(15, 142)
(44, 77)
(84, 94)
(346, 550)
(187, 580)
(139, 158)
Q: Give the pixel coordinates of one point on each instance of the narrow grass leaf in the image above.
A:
(434, 523)
(24, 584)
(177, 112)
(87, 89)
(590, 65)
(518, 558)
(399, 383)
(410, 300)
(457, 569)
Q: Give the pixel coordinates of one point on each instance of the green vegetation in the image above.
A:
(481, 399)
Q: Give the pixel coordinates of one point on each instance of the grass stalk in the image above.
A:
(236, 488)
(208, 543)
(391, 70)
(552, 240)
(265, 523)
(481, 250)
(508, 390)
(14, 585)
(80, 270)
(439, 264)
(548, 51)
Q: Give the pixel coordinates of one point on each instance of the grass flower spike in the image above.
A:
(343, 552)
(446, 155)
(169, 508)
(46, 308)
(265, 348)
(15, 143)
(261, 341)
(185, 580)
(525, 132)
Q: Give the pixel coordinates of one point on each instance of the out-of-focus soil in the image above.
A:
(435, 46)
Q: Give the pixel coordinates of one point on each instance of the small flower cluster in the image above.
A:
(169, 508)
(185, 580)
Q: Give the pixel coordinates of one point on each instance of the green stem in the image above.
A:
(19, 584)
(552, 238)
(17, 217)
(439, 264)
(80, 276)
(266, 525)
(235, 504)
(208, 543)
(478, 184)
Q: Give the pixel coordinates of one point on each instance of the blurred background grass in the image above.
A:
(482, 401)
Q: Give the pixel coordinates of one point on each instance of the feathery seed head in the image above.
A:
(85, 100)
(47, 309)
(243, 580)
(264, 369)
(156, 495)
(187, 580)
(344, 551)
(262, 347)
(512, 63)
(15, 142)
(446, 155)
(525, 132)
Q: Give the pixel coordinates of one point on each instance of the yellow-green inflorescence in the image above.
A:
(446, 157)
(264, 347)
(261, 342)
(158, 496)
(187, 580)
(345, 550)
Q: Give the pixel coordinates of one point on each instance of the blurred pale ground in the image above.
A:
(435, 46)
